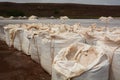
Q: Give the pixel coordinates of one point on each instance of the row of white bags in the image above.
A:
(44, 43)
(79, 61)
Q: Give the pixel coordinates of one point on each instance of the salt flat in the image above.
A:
(83, 22)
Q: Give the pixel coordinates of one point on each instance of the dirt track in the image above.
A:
(14, 65)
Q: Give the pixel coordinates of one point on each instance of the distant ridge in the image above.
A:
(58, 3)
(58, 9)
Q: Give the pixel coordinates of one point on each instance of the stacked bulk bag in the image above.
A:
(16, 36)
(2, 37)
(52, 44)
(115, 67)
(7, 36)
(89, 38)
(111, 46)
(80, 62)
(93, 34)
(18, 39)
(109, 43)
(26, 32)
(25, 41)
(10, 33)
(35, 39)
(33, 47)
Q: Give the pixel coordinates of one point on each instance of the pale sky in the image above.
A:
(103, 2)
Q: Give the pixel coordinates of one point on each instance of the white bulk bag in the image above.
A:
(2, 35)
(7, 36)
(34, 38)
(10, 31)
(92, 37)
(34, 48)
(51, 46)
(35, 44)
(115, 67)
(10, 35)
(26, 31)
(109, 43)
(18, 39)
(25, 42)
(111, 46)
(80, 62)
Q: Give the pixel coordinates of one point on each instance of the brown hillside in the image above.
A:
(50, 9)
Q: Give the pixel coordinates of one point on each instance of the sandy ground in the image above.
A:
(15, 65)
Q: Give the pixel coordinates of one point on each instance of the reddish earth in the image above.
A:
(15, 65)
